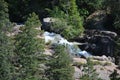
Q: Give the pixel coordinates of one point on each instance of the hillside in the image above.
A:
(59, 40)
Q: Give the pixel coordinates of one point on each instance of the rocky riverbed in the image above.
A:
(103, 64)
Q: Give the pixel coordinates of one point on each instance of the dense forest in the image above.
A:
(21, 54)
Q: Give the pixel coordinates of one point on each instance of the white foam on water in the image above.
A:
(58, 39)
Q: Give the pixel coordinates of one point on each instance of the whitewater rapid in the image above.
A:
(73, 48)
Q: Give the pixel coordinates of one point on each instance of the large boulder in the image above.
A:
(54, 24)
(97, 20)
(46, 24)
(98, 42)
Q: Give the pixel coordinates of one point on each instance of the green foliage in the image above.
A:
(60, 66)
(74, 18)
(4, 17)
(57, 12)
(78, 64)
(5, 43)
(116, 13)
(89, 5)
(113, 8)
(89, 71)
(19, 10)
(84, 13)
(59, 23)
(69, 32)
(33, 21)
(5, 55)
(67, 8)
(28, 48)
(97, 63)
(117, 52)
(3, 10)
(114, 76)
(71, 22)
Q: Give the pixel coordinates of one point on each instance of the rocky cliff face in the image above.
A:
(98, 42)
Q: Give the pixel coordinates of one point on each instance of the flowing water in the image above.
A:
(73, 48)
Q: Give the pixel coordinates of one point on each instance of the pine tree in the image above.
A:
(67, 12)
(73, 18)
(28, 48)
(60, 66)
(5, 43)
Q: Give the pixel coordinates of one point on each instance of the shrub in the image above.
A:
(71, 24)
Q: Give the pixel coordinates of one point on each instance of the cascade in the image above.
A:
(72, 47)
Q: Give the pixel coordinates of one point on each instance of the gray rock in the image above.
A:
(46, 24)
(97, 20)
(98, 42)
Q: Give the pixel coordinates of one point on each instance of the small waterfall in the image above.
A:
(72, 47)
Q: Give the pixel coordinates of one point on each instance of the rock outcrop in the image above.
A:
(46, 24)
(97, 20)
(102, 64)
(98, 42)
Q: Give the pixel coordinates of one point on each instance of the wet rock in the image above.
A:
(98, 42)
(54, 25)
(46, 24)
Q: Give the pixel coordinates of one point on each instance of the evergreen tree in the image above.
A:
(5, 43)
(67, 11)
(89, 72)
(28, 48)
(74, 19)
(89, 5)
(60, 66)
(114, 76)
